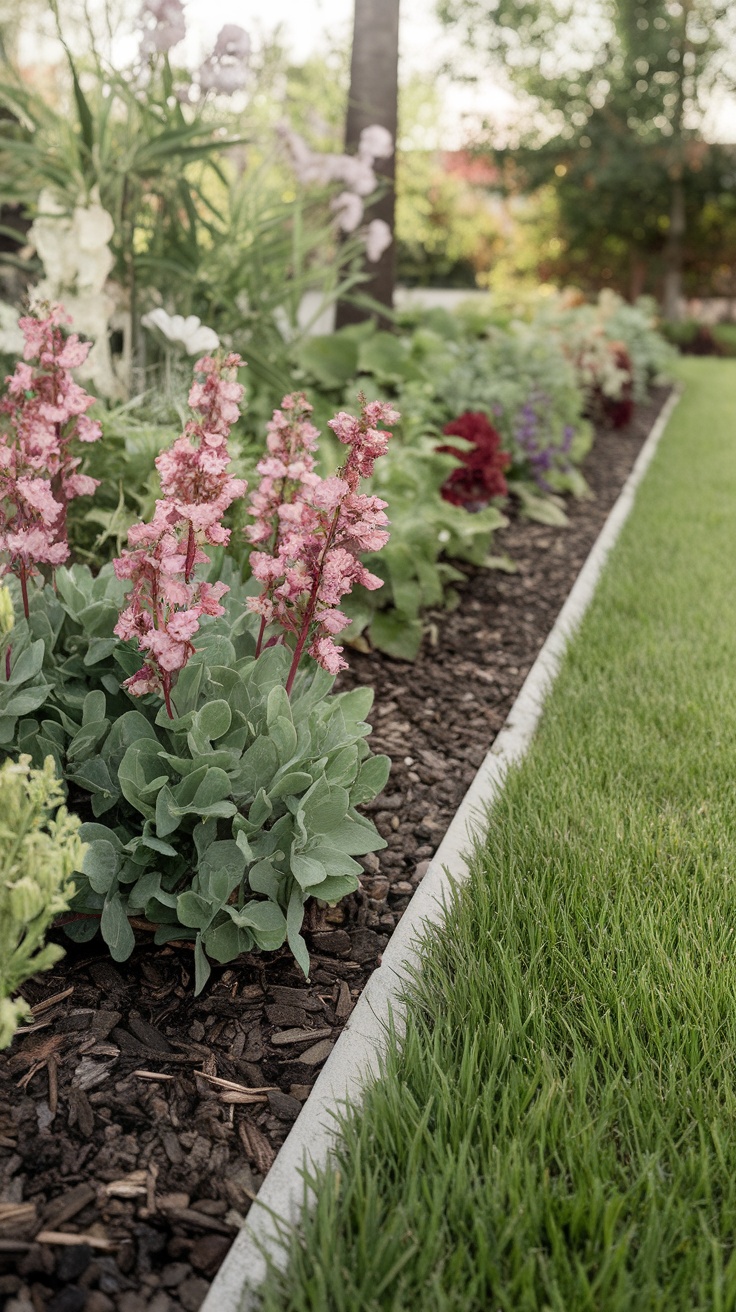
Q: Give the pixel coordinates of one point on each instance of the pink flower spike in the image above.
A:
(44, 411)
(310, 530)
(166, 601)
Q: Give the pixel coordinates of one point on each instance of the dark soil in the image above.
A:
(137, 1121)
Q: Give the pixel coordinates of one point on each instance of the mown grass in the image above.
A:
(559, 1129)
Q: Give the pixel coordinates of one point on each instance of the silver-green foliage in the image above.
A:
(215, 826)
(40, 847)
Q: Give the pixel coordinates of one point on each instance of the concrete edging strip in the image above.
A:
(355, 1056)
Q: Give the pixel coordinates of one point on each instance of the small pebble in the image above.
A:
(98, 1302)
(320, 1051)
(192, 1293)
(173, 1274)
(395, 822)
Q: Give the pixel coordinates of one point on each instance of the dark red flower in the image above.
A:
(480, 474)
(619, 410)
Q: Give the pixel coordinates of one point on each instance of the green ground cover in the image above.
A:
(559, 1130)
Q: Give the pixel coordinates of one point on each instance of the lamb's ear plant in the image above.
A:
(40, 848)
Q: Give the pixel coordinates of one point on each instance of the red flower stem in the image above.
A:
(7, 663)
(261, 632)
(309, 612)
(24, 588)
(166, 685)
(191, 551)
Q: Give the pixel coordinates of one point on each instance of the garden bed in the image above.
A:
(152, 1175)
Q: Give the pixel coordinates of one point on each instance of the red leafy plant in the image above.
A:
(480, 474)
(45, 412)
(620, 409)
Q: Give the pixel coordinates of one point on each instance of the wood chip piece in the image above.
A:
(320, 1051)
(53, 1070)
(17, 1220)
(128, 1186)
(62, 1209)
(245, 1094)
(153, 1075)
(60, 1237)
(41, 1007)
(257, 1147)
(344, 1004)
(298, 1036)
(34, 1053)
(186, 1216)
(80, 1111)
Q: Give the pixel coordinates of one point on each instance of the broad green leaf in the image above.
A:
(307, 871)
(116, 929)
(371, 780)
(202, 968)
(27, 665)
(294, 918)
(332, 360)
(284, 738)
(194, 910)
(293, 783)
(396, 634)
(226, 941)
(336, 887)
(101, 864)
(214, 719)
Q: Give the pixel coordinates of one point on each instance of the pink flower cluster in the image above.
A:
(45, 410)
(315, 528)
(166, 602)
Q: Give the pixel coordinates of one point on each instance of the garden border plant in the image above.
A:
(218, 814)
(378, 1013)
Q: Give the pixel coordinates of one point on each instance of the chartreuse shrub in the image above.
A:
(40, 848)
(557, 1130)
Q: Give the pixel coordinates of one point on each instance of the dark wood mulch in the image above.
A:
(138, 1121)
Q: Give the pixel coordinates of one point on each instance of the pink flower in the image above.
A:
(312, 529)
(166, 601)
(44, 411)
(327, 655)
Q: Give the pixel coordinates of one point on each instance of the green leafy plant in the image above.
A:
(214, 827)
(41, 848)
(427, 533)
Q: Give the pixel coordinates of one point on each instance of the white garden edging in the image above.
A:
(356, 1054)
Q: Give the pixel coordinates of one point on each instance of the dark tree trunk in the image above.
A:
(674, 251)
(374, 73)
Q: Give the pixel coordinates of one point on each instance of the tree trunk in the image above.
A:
(374, 76)
(674, 251)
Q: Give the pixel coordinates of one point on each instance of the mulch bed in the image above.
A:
(137, 1121)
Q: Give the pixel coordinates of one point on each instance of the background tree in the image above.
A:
(614, 103)
(373, 98)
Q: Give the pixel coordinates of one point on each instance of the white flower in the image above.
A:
(226, 69)
(376, 142)
(356, 172)
(377, 239)
(77, 260)
(189, 333)
(163, 25)
(11, 337)
(349, 210)
(232, 41)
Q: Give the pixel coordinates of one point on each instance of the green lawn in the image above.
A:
(559, 1131)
